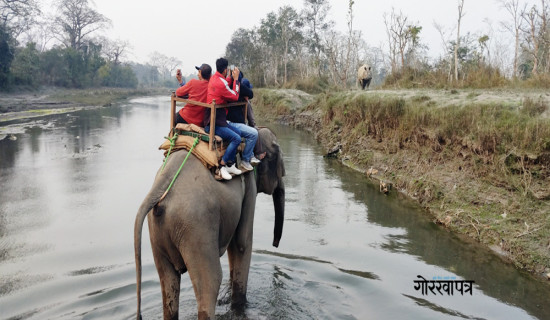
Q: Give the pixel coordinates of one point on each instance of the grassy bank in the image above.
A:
(103, 96)
(29, 104)
(480, 166)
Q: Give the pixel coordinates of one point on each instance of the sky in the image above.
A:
(198, 31)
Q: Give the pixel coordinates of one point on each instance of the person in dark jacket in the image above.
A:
(235, 117)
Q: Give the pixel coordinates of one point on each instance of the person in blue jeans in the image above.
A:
(235, 117)
(221, 92)
(233, 135)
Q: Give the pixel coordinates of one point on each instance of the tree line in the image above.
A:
(288, 48)
(291, 47)
(64, 49)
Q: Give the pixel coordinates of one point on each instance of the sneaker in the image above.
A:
(225, 173)
(233, 170)
(254, 161)
(245, 166)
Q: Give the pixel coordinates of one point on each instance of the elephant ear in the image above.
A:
(280, 164)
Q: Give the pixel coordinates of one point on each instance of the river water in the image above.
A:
(71, 186)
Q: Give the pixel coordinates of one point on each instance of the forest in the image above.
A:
(288, 49)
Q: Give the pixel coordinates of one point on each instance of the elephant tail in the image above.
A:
(144, 209)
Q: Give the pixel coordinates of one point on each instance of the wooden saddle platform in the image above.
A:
(210, 148)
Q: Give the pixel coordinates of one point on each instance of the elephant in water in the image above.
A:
(199, 219)
(364, 76)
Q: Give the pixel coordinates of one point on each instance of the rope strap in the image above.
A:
(178, 172)
(172, 144)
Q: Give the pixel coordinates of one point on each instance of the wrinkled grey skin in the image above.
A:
(199, 219)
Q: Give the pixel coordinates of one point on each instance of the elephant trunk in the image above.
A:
(279, 203)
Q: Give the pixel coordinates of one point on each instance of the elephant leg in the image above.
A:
(239, 250)
(239, 266)
(170, 285)
(205, 271)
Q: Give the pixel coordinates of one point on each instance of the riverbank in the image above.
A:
(478, 161)
(28, 104)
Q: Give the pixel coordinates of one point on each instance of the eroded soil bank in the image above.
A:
(481, 183)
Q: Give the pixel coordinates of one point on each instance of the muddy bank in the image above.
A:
(498, 198)
(22, 105)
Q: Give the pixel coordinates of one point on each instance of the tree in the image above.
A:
(115, 50)
(289, 24)
(342, 51)
(115, 75)
(165, 65)
(315, 15)
(76, 20)
(514, 27)
(446, 59)
(6, 55)
(26, 66)
(533, 41)
(17, 16)
(457, 44)
(243, 50)
(269, 42)
(403, 37)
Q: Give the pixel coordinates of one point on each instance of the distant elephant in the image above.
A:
(199, 219)
(364, 76)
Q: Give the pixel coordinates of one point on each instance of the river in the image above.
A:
(71, 186)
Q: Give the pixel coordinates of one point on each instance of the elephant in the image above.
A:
(199, 219)
(364, 76)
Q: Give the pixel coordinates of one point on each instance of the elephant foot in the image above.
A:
(203, 316)
(238, 306)
(238, 300)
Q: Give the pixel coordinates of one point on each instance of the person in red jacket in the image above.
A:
(220, 92)
(196, 90)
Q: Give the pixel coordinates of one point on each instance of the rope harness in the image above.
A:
(172, 142)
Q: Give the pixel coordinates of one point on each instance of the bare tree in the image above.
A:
(76, 20)
(457, 44)
(403, 37)
(545, 34)
(315, 14)
(392, 42)
(532, 40)
(18, 15)
(166, 65)
(115, 50)
(289, 24)
(343, 52)
(516, 12)
(446, 48)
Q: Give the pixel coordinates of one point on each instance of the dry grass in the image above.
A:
(480, 165)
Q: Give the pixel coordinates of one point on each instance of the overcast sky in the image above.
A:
(197, 31)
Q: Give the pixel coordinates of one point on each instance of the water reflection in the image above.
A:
(430, 305)
(8, 153)
(436, 246)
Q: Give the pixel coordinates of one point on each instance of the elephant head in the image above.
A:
(269, 178)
